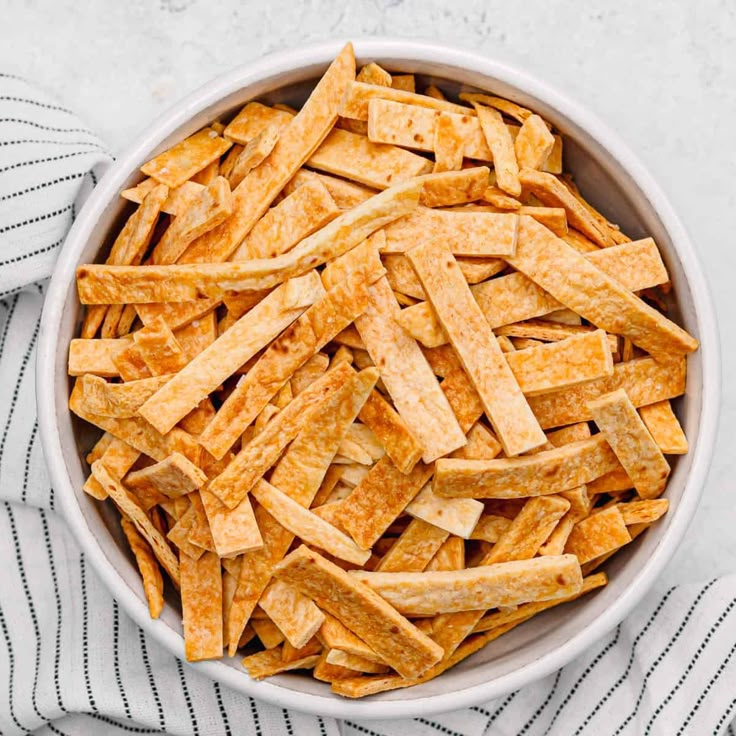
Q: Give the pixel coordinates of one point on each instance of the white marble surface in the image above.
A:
(661, 72)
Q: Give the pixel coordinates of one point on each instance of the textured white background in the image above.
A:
(661, 72)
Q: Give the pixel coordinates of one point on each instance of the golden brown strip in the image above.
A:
(662, 424)
(599, 534)
(543, 473)
(159, 348)
(455, 515)
(234, 531)
(393, 637)
(296, 616)
(414, 548)
(270, 662)
(533, 144)
(448, 144)
(173, 477)
(153, 582)
(201, 602)
(118, 399)
(95, 356)
(499, 141)
(177, 200)
(253, 119)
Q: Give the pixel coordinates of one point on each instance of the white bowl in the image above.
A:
(608, 174)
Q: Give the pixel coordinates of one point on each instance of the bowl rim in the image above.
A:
(399, 50)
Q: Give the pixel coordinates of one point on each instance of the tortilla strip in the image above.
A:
(137, 432)
(354, 662)
(511, 109)
(221, 359)
(130, 363)
(464, 233)
(118, 399)
(405, 648)
(378, 499)
(159, 348)
(374, 74)
(553, 218)
(401, 277)
(498, 138)
(306, 336)
(412, 551)
(551, 331)
(529, 530)
(662, 424)
(176, 315)
(118, 457)
(406, 374)
(211, 208)
(533, 144)
(258, 455)
(450, 556)
(253, 154)
(143, 524)
(296, 616)
(297, 142)
(587, 290)
(515, 298)
(95, 356)
(391, 431)
(643, 511)
(355, 103)
(334, 635)
(310, 528)
(448, 144)
(503, 403)
(375, 165)
(347, 194)
(99, 448)
(526, 610)
(153, 582)
(490, 528)
(309, 373)
(173, 477)
(449, 188)
(234, 531)
(109, 284)
(177, 200)
(473, 589)
(309, 208)
(270, 662)
(599, 534)
(626, 433)
(253, 119)
(645, 380)
(457, 516)
(464, 399)
(201, 602)
(482, 444)
(543, 473)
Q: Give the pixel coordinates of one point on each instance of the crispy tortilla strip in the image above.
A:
(499, 141)
(450, 556)
(529, 530)
(258, 455)
(643, 511)
(405, 648)
(401, 277)
(482, 444)
(130, 363)
(405, 372)
(304, 211)
(95, 356)
(391, 431)
(137, 432)
(201, 603)
(159, 348)
(330, 481)
(118, 399)
(533, 144)
(613, 482)
(153, 582)
(180, 162)
(179, 535)
(375, 165)
(254, 153)
(363, 436)
(267, 631)
(200, 533)
(270, 662)
(455, 515)
(550, 331)
(309, 373)
(449, 188)
(645, 380)
(290, 653)
(526, 610)
(464, 233)
(197, 335)
(579, 285)
(414, 548)
(662, 424)
(234, 531)
(221, 359)
(515, 298)
(173, 477)
(464, 400)
(543, 473)
(118, 457)
(347, 194)
(210, 172)
(511, 109)
(334, 635)
(210, 209)
(448, 144)
(473, 589)
(374, 74)
(504, 404)
(296, 616)
(297, 142)
(353, 452)
(110, 284)
(435, 92)
(354, 662)
(557, 365)
(553, 218)
(626, 433)
(378, 499)
(99, 448)
(176, 201)
(355, 103)
(253, 119)
(599, 534)
(497, 198)
(310, 528)
(490, 528)
(566, 435)
(177, 315)
(405, 82)
(331, 313)
(143, 524)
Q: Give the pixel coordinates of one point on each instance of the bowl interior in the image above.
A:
(603, 181)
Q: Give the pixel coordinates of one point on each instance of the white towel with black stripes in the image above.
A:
(71, 662)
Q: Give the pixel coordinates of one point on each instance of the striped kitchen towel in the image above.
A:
(71, 662)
